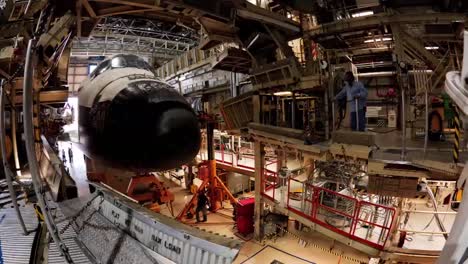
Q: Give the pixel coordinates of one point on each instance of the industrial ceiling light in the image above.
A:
(377, 40)
(283, 93)
(363, 13)
(432, 48)
(253, 40)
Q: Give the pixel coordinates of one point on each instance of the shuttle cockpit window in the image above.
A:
(121, 61)
(102, 67)
(128, 60)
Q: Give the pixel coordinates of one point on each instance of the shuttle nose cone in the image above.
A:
(178, 133)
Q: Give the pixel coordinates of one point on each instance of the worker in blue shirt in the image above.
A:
(351, 91)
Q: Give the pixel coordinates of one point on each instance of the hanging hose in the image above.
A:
(341, 112)
(436, 215)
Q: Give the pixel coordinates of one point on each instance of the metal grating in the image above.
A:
(16, 248)
(69, 239)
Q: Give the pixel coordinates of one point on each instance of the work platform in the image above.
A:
(354, 217)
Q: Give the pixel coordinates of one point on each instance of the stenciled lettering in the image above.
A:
(172, 247)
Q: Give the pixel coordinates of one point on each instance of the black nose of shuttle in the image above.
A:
(147, 126)
(178, 130)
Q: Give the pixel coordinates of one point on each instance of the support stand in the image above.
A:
(213, 183)
(154, 192)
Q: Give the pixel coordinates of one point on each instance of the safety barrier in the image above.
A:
(224, 156)
(363, 221)
(247, 162)
(270, 182)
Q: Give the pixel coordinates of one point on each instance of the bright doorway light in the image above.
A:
(377, 40)
(363, 13)
(283, 93)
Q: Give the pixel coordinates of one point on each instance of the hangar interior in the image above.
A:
(233, 131)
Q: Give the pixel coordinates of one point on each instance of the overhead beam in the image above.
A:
(47, 97)
(89, 8)
(128, 3)
(110, 10)
(132, 11)
(353, 24)
(363, 51)
(149, 39)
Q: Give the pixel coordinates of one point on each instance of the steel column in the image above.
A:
(403, 125)
(6, 167)
(31, 149)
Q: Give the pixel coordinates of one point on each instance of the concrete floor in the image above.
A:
(77, 168)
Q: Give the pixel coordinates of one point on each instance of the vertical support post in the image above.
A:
(327, 116)
(14, 123)
(278, 107)
(259, 164)
(394, 228)
(283, 110)
(256, 108)
(31, 149)
(280, 163)
(333, 116)
(426, 129)
(293, 111)
(216, 204)
(6, 167)
(403, 124)
(270, 111)
(456, 142)
(357, 114)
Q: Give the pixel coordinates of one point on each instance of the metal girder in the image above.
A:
(156, 39)
(141, 27)
(115, 44)
(347, 25)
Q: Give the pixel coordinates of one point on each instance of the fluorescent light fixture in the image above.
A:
(363, 13)
(253, 40)
(377, 40)
(283, 93)
(432, 48)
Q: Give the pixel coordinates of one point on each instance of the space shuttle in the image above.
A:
(131, 120)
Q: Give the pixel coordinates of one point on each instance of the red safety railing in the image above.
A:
(246, 162)
(225, 157)
(363, 221)
(270, 182)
